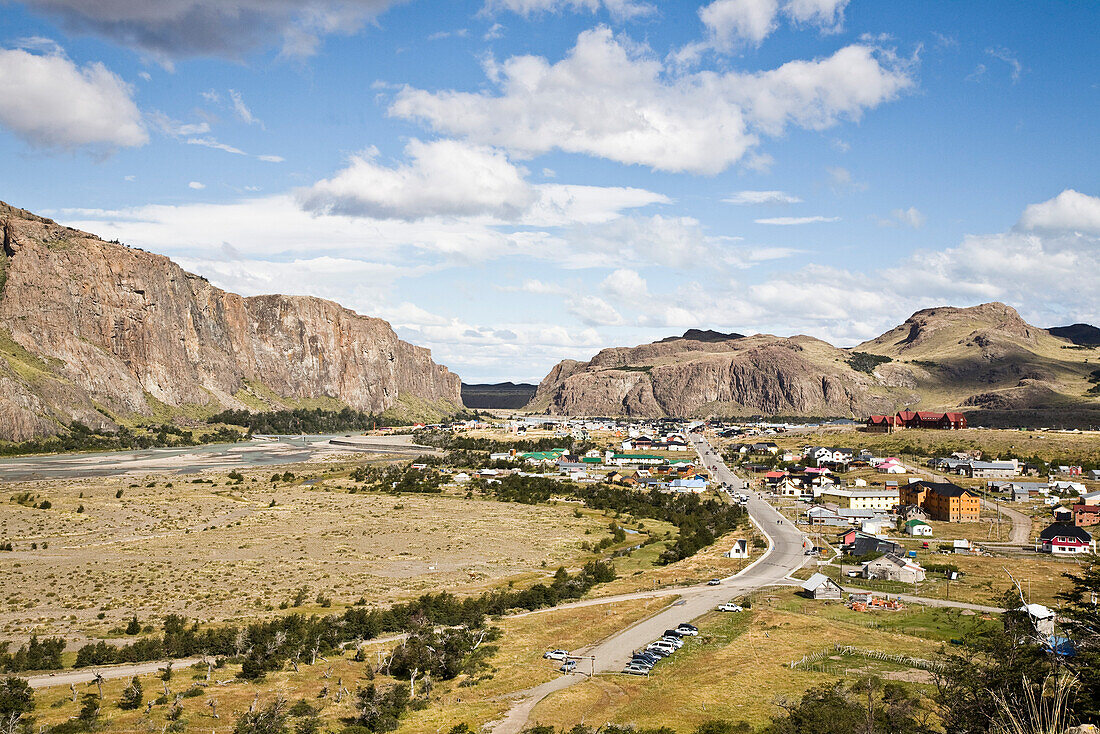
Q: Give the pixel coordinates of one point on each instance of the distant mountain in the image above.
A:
(104, 334)
(984, 360)
(703, 335)
(504, 395)
(1084, 335)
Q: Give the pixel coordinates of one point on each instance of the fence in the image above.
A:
(808, 661)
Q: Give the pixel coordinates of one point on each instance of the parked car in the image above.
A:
(568, 666)
(671, 633)
(556, 655)
(635, 670)
(687, 629)
(714, 582)
(658, 651)
(676, 642)
(730, 607)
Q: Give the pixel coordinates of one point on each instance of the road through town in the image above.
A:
(785, 554)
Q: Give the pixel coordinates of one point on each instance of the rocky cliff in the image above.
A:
(700, 374)
(95, 331)
(980, 358)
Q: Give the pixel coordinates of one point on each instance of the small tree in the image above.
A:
(132, 696)
(89, 711)
(268, 720)
(134, 626)
(16, 704)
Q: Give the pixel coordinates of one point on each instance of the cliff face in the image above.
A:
(985, 357)
(691, 376)
(88, 325)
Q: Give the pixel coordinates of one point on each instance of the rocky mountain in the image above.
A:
(500, 395)
(985, 360)
(97, 332)
(1085, 335)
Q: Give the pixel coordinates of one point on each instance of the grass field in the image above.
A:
(226, 551)
(738, 667)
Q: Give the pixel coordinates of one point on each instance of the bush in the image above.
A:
(132, 696)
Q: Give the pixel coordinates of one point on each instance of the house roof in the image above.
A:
(944, 489)
(914, 523)
(815, 581)
(1065, 530)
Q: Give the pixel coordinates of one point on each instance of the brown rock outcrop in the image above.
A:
(92, 328)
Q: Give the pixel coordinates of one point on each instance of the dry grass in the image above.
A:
(216, 552)
(735, 670)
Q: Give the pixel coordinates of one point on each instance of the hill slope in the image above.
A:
(98, 332)
(985, 360)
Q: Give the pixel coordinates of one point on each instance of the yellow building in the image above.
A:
(862, 499)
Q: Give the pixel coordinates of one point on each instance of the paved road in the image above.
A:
(785, 555)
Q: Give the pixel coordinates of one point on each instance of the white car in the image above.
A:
(687, 629)
(730, 608)
(556, 655)
(714, 582)
(568, 666)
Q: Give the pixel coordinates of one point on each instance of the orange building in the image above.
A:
(942, 501)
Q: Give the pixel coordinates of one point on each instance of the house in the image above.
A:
(774, 477)
(856, 543)
(1092, 498)
(1063, 539)
(766, 447)
(875, 526)
(920, 419)
(634, 459)
(943, 501)
(740, 549)
(695, 484)
(1094, 475)
(1085, 515)
(789, 487)
(1042, 618)
(961, 547)
(890, 466)
(820, 586)
(862, 499)
(918, 528)
(990, 469)
(1072, 489)
(912, 512)
(893, 567)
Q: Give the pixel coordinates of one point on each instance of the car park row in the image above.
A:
(643, 660)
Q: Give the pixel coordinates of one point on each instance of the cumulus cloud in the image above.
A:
(228, 28)
(611, 99)
(441, 178)
(731, 22)
(911, 217)
(50, 102)
(749, 198)
(196, 185)
(1070, 210)
(790, 221)
(593, 311)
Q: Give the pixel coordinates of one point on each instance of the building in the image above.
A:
(740, 549)
(634, 459)
(915, 419)
(1086, 515)
(1064, 539)
(820, 586)
(943, 501)
(694, 484)
(918, 528)
(893, 567)
(990, 469)
(862, 499)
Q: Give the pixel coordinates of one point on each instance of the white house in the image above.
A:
(689, 485)
(740, 549)
(820, 586)
(893, 567)
(918, 528)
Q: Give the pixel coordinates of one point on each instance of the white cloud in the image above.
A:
(623, 9)
(271, 158)
(1003, 54)
(442, 178)
(828, 15)
(788, 221)
(50, 102)
(208, 142)
(196, 186)
(626, 286)
(730, 21)
(241, 109)
(1070, 211)
(911, 217)
(613, 100)
(733, 22)
(750, 198)
(594, 311)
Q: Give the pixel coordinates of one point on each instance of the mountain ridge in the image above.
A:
(980, 358)
(101, 333)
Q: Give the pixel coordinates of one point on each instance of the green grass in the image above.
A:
(23, 363)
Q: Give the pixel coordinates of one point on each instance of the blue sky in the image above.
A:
(513, 182)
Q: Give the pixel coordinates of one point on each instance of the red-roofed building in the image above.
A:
(915, 419)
